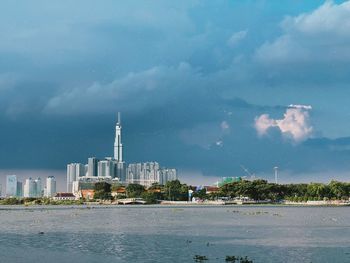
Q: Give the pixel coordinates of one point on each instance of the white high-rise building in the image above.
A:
(167, 175)
(50, 186)
(11, 185)
(149, 173)
(74, 171)
(32, 188)
(29, 189)
(118, 146)
(92, 167)
(107, 168)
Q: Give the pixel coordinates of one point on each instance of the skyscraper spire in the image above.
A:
(118, 146)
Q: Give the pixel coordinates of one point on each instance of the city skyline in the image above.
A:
(196, 88)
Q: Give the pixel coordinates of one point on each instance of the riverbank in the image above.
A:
(108, 204)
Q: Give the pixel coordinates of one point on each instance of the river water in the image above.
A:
(174, 234)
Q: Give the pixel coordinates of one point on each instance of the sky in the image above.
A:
(203, 86)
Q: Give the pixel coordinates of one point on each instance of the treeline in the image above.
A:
(173, 190)
(262, 190)
(37, 201)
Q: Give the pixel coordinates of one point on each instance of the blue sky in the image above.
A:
(204, 86)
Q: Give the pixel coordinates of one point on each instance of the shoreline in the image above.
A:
(182, 205)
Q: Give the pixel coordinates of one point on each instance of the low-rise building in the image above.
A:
(64, 196)
(87, 194)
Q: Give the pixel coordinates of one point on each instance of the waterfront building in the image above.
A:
(29, 189)
(0, 190)
(92, 167)
(19, 190)
(167, 175)
(86, 169)
(50, 189)
(74, 171)
(228, 180)
(149, 173)
(118, 146)
(38, 188)
(106, 168)
(64, 197)
(120, 168)
(114, 168)
(11, 185)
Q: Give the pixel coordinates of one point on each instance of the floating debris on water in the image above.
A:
(238, 259)
(199, 258)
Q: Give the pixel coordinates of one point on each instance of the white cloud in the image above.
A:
(236, 38)
(224, 126)
(321, 35)
(298, 106)
(294, 125)
(263, 123)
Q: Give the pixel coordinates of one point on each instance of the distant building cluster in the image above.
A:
(110, 169)
(30, 188)
(114, 169)
(149, 173)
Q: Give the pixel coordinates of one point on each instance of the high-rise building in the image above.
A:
(92, 167)
(74, 171)
(32, 188)
(19, 189)
(50, 186)
(29, 189)
(11, 185)
(38, 188)
(120, 171)
(149, 173)
(167, 175)
(107, 168)
(118, 146)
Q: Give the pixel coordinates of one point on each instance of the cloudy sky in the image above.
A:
(203, 86)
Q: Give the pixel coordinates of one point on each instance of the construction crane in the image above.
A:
(252, 176)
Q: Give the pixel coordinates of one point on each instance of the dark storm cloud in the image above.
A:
(189, 77)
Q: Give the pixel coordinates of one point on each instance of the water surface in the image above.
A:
(174, 234)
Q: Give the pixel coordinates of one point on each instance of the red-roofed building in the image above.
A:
(64, 196)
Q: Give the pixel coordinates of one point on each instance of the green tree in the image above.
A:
(102, 191)
(202, 194)
(134, 190)
(338, 190)
(176, 191)
(150, 197)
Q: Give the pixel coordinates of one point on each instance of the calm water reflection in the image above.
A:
(174, 234)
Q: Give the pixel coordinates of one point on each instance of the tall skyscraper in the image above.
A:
(107, 168)
(50, 186)
(148, 173)
(92, 166)
(11, 186)
(74, 171)
(29, 189)
(38, 188)
(118, 146)
(32, 188)
(19, 189)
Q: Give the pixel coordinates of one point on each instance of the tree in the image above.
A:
(176, 191)
(150, 197)
(338, 190)
(201, 194)
(134, 190)
(102, 191)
